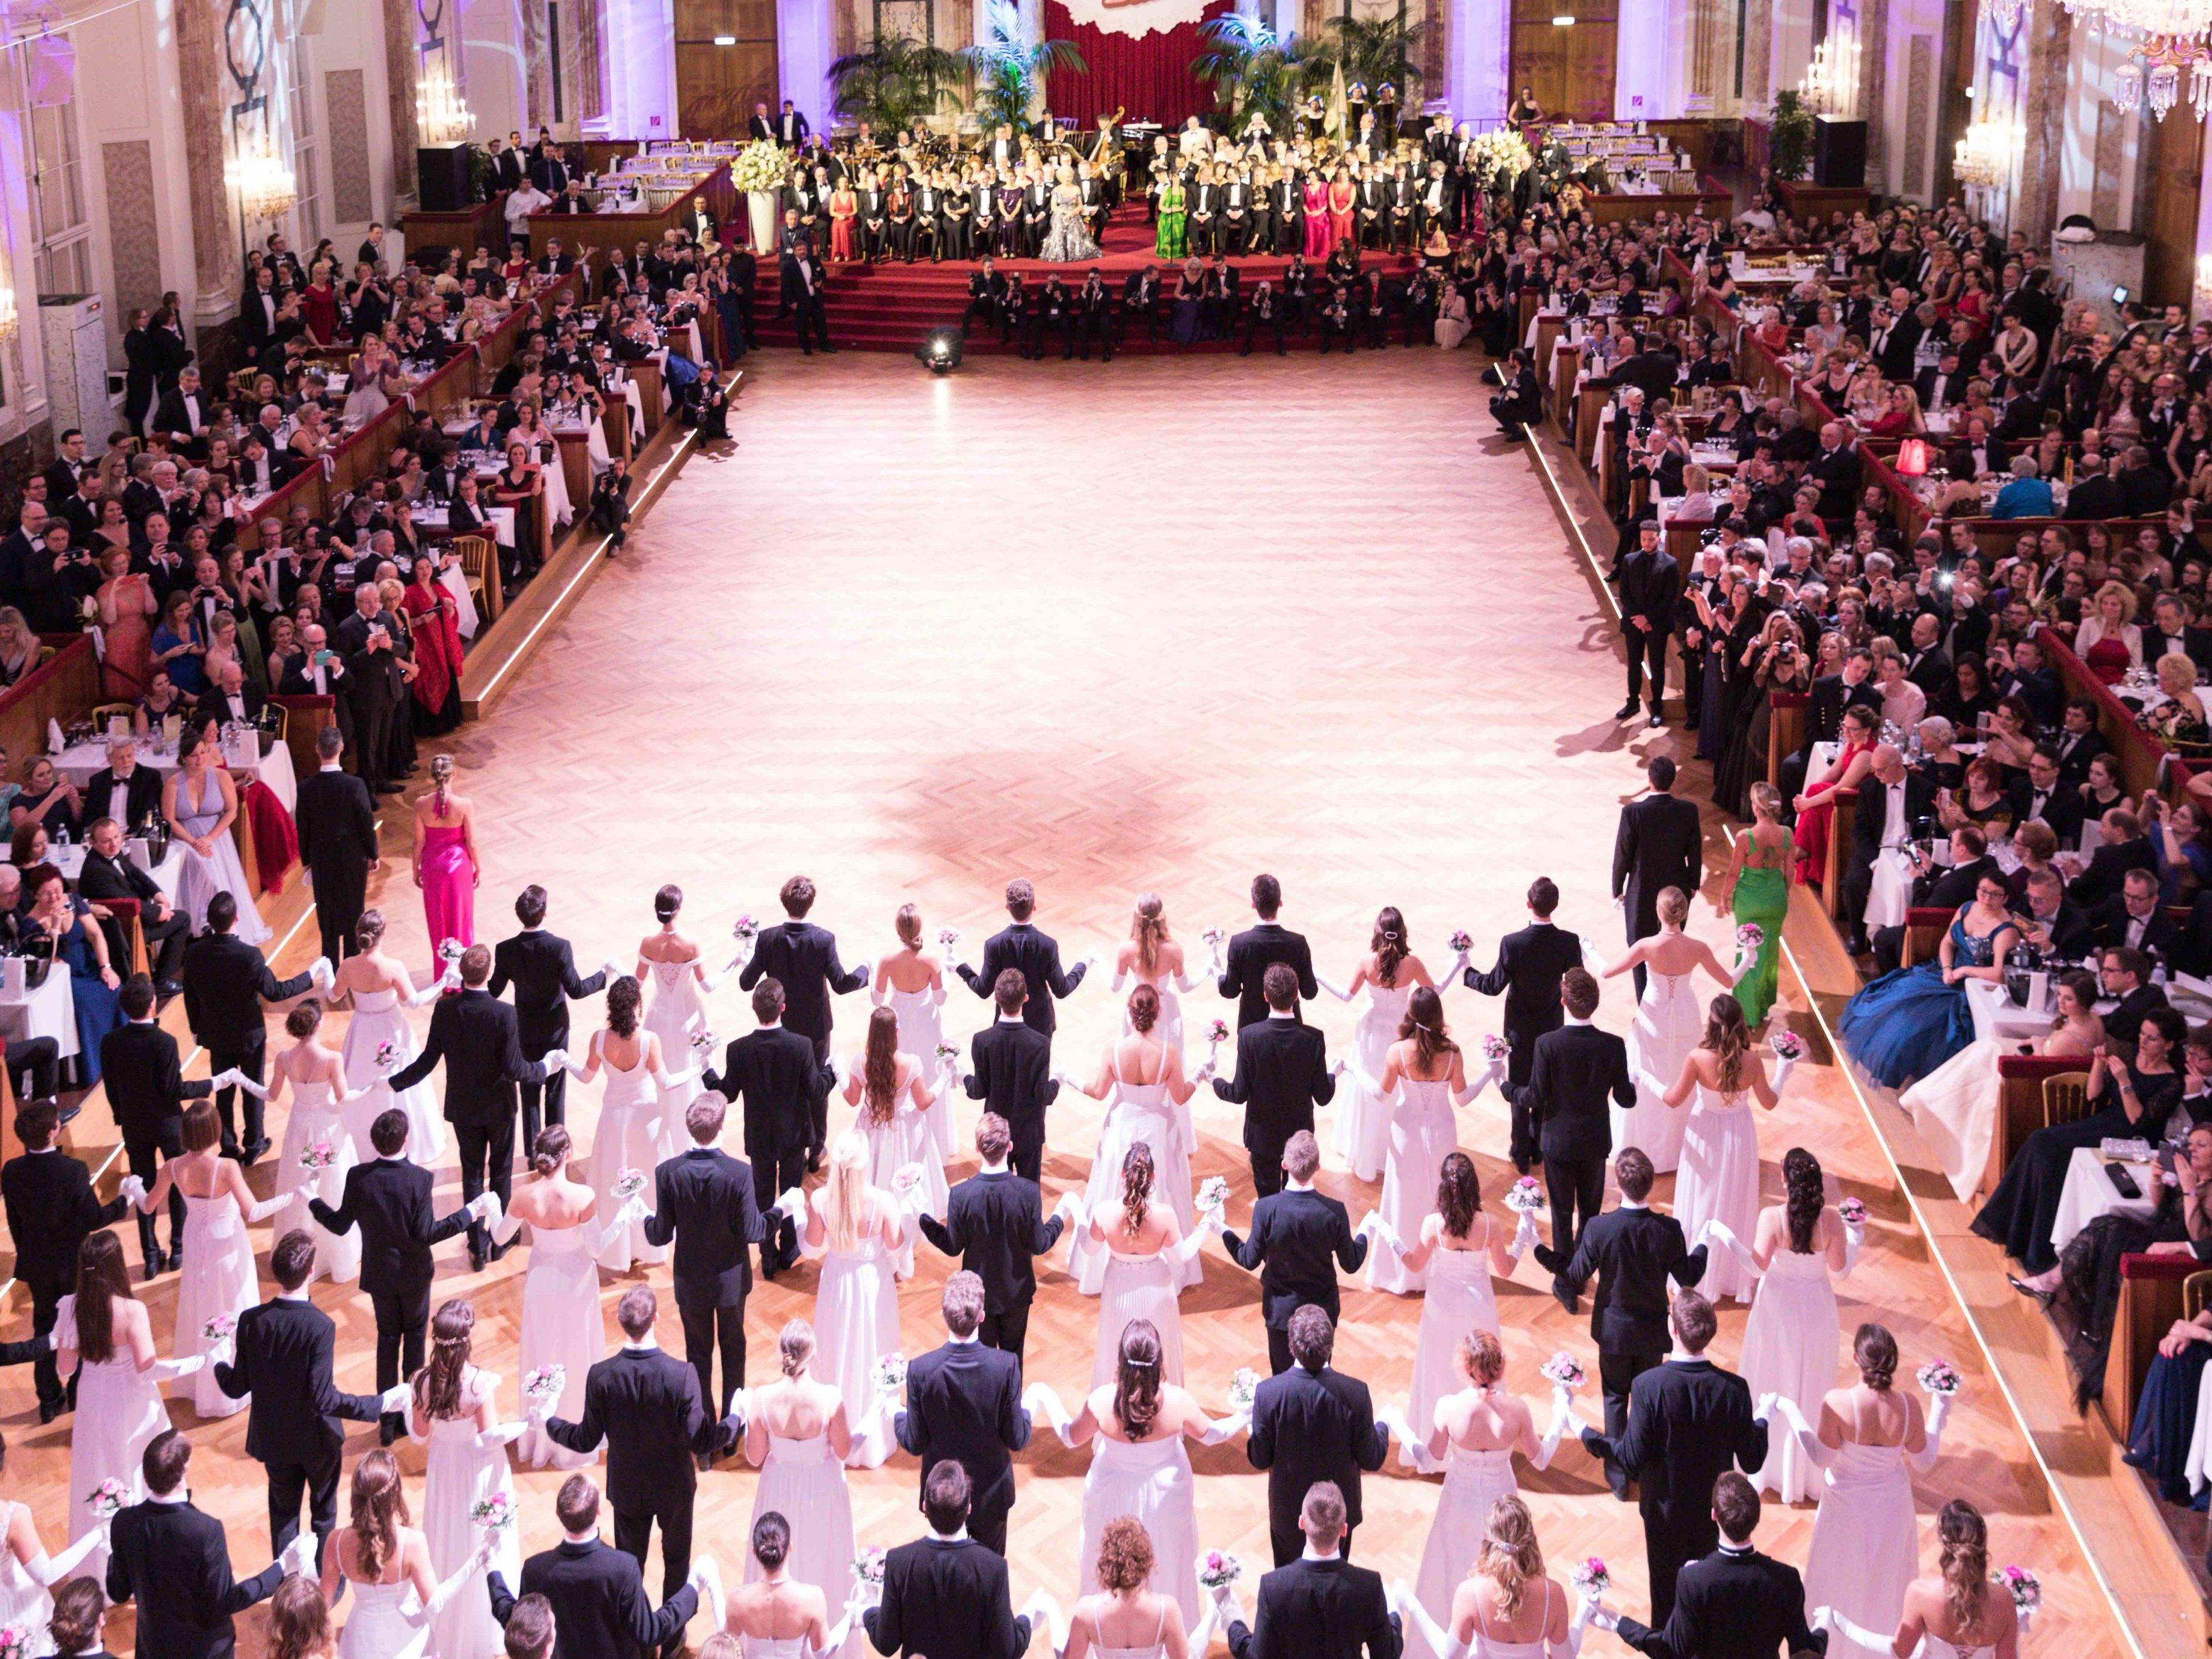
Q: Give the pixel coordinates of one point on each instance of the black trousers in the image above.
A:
(1027, 1161)
(1520, 1062)
(483, 1144)
(1279, 1349)
(634, 1537)
(1008, 1332)
(986, 1525)
(45, 1299)
(34, 1067)
(246, 1058)
(553, 1091)
(338, 908)
(1098, 326)
(709, 1325)
(1576, 1186)
(318, 1483)
(1267, 1169)
(773, 1175)
(1615, 1373)
(1652, 645)
(372, 730)
(165, 943)
(1290, 1546)
(1252, 322)
(1668, 1546)
(147, 1155)
(401, 1318)
(986, 309)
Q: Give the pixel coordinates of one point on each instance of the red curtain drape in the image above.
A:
(1147, 75)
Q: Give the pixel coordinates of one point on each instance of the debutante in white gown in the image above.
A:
(633, 1133)
(384, 1621)
(1422, 1136)
(1669, 1024)
(118, 1410)
(1717, 1180)
(1458, 1299)
(1791, 1343)
(1135, 1112)
(561, 1325)
(855, 1324)
(921, 1029)
(1473, 1480)
(457, 1475)
(1150, 1480)
(908, 1138)
(316, 1116)
(674, 1013)
(1865, 1544)
(378, 1018)
(23, 1600)
(803, 1481)
(1362, 1118)
(218, 1278)
(1139, 1287)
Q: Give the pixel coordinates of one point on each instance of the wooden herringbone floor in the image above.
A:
(1159, 625)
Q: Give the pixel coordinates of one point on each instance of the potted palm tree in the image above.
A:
(1010, 72)
(894, 84)
(1252, 69)
(1373, 50)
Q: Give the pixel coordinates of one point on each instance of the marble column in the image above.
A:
(203, 83)
(399, 80)
(805, 45)
(2043, 120)
(1479, 44)
(1873, 77)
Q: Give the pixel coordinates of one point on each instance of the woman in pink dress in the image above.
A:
(446, 866)
(127, 607)
(1342, 194)
(1319, 243)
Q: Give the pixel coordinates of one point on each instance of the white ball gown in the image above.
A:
(1955, 1108)
(1151, 1480)
(1791, 1343)
(1669, 1024)
(1865, 1544)
(118, 1410)
(1134, 1287)
(633, 1133)
(561, 1325)
(316, 1116)
(855, 1324)
(378, 1018)
(1473, 1480)
(908, 1138)
(675, 1013)
(23, 1600)
(921, 1029)
(1458, 1299)
(803, 1481)
(384, 1621)
(1363, 1117)
(459, 1474)
(1717, 1180)
(1135, 1112)
(1422, 1136)
(218, 1277)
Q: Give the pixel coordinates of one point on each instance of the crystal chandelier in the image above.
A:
(265, 186)
(1984, 156)
(2007, 13)
(440, 111)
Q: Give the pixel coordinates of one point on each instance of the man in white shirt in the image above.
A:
(521, 204)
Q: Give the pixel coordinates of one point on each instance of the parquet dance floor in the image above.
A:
(1160, 626)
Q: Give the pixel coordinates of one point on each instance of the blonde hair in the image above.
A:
(1766, 799)
(2127, 598)
(1510, 1557)
(794, 1347)
(1674, 906)
(845, 1195)
(1148, 926)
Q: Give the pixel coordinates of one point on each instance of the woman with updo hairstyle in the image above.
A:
(446, 866)
(1478, 1430)
(1125, 1618)
(1870, 1439)
(671, 966)
(79, 1612)
(379, 1040)
(1718, 1179)
(892, 1090)
(1794, 1334)
(1389, 973)
(1140, 1080)
(454, 1408)
(387, 1563)
(323, 1115)
(798, 1434)
(1146, 1256)
(1425, 1077)
(639, 1111)
(910, 982)
(1151, 957)
(1965, 1615)
(1668, 1025)
(1507, 1605)
(777, 1613)
(1460, 1247)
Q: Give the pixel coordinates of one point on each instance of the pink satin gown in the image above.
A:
(1318, 245)
(449, 889)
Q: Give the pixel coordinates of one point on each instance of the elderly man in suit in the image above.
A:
(591, 1596)
(1317, 1606)
(1661, 844)
(1298, 1240)
(109, 876)
(1890, 803)
(802, 959)
(945, 1595)
(964, 1402)
(173, 1560)
(1282, 1074)
(1311, 1423)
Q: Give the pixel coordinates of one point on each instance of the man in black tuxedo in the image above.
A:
(647, 1407)
(542, 968)
(1734, 1603)
(994, 1223)
(50, 1208)
(109, 876)
(1013, 1074)
(803, 958)
(964, 1402)
(1577, 1068)
(1317, 1606)
(945, 1597)
(703, 1202)
(2078, 740)
(1298, 1240)
(2136, 919)
(2124, 847)
(1529, 966)
(2058, 926)
(1948, 888)
(124, 789)
(1689, 1423)
(590, 1598)
(1660, 844)
(1312, 1424)
(337, 822)
(478, 1038)
(791, 126)
(1890, 803)
(1282, 1074)
(1253, 951)
(781, 1078)
(1851, 686)
(388, 1198)
(226, 981)
(173, 1561)
(146, 1090)
(295, 1429)
(374, 683)
(1633, 1251)
(1650, 584)
(1020, 946)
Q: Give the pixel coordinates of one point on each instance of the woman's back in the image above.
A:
(1134, 1629)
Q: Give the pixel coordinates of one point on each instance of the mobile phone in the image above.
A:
(2120, 294)
(2122, 1182)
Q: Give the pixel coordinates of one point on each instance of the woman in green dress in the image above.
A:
(1169, 244)
(1759, 882)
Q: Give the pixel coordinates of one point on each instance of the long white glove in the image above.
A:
(1745, 962)
(1717, 1232)
(1563, 1416)
(1836, 1624)
(1225, 1604)
(484, 1208)
(1592, 960)
(1854, 1242)
(397, 1399)
(613, 969)
(1392, 1418)
(234, 1078)
(1219, 1429)
(1079, 1219)
(1939, 1413)
(175, 1371)
(707, 1577)
(1187, 1246)
(1489, 1075)
(1818, 1455)
(322, 973)
(450, 979)
(133, 1190)
(1334, 990)
(1039, 1397)
(509, 1224)
(500, 1434)
(262, 1208)
(712, 978)
(1374, 1226)
(1524, 1236)
(478, 1559)
(1042, 1611)
(1407, 1606)
(1782, 1070)
(47, 1570)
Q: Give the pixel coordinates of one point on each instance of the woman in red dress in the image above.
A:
(318, 306)
(1816, 807)
(1341, 195)
(844, 220)
(437, 651)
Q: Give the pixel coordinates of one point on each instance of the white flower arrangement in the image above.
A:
(1213, 1193)
(1213, 937)
(760, 165)
(544, 1384)
(1564, 1369)
(106, 1500)
(868, 1568)
(947, 1053)
(628, 1183)
(220, 1328)
(1243, 1387)
(449, 951)
(948, 937)
(1524, 1196)
(1498, 157)
(891, 1373)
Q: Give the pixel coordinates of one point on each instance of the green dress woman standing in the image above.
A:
(1169, 245)
(1761, 882)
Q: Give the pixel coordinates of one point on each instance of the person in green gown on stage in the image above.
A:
(1169, 244)
(1760, 884)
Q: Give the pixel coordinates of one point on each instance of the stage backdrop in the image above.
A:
(1146, 73)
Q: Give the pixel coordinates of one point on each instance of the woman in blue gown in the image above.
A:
(2166, 1413)
(1907, 1024)
(84, 948)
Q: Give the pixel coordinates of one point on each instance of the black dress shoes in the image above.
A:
(1627, 711)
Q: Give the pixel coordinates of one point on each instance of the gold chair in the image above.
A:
(473, 551)
(104, 712)
(2195, 1290)
(2065, 1099)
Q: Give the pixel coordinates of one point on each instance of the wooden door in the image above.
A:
(725, 64)
(1568, 66)
(2168, 192)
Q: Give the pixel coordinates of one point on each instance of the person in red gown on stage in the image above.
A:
(1318, 239)
(446, 866)
(431, 611)
(844, 219)
(1342, 193)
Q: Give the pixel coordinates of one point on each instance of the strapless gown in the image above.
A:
(378, 1018)
(633, 1133)
(921, 1028)
(383, 1621)
(806, 1485)
(855, 1324)
(457, 1475)
(561, 1325)
(1791, 1343)
(1669, 1024)
(909, 1138)
(1151, 1481)
(118, 1410)
(315, 1116)
(1422, 1136)
(218, 1278)
(1458, 1299)
(1135, 1112)
(1363, 1117)
(1717, 1180)
(1139, 1287)
(674, 1013)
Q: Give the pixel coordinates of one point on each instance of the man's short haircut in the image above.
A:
(703, 1117)
(1323, 1513)
(1010, 990)
(293, 1258)
(797, 896)
(1279, 985)
(1692, 1319)
(388, 1133)
(529, 1624)
(1972, 840)
(1301, 1156)
(1659, 769)
(1021, 899)
(528, 903)
(1543, 896)
(1267, 897)
(1735, 1506)
(475, 965)
(994, 1137)
(962, 1303)
(577, 1504)
(1580, 987)
(37, 1123)
(944, 1497)
(2129, 960)
(163, 1465)
(767, 1000)
(222, 912)
(634, 1312)
(136, 996)
(1312, 1336)
(1632, 1168)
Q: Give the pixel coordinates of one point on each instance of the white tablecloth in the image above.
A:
(501, 519)
(78, 764)
(1995, 1016)
(2089, 1193)
(48, 1012)
(69, 860)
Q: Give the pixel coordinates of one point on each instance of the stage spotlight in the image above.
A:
(941, 350)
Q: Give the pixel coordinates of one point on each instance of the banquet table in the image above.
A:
(48, 1012)
(69, 860)
(81, 762)
(2089, 1193)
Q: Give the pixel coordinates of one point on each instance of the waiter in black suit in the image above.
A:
(1650, 584)
(1689, 1423)
(945, 1597)
(50, 1208)
(1661, 844)
(782, 1081)
(1282, 1074)
(1038, 954)
(1318, 1606)
(337, 843)
(543, 970)
(106, 875)
(1734, 1603)
(596, 1595)
(1252, 952)
(226, 983)
(1299, 1239)
(703, 1202)
(1633, 1251)
(1013, 1074)
(477, 1037)
(1308, 1424)
(964, 1402)
(146, 1090)
(173, 1560)
(1529, 966)
(994, 1223)
(803, 958)
(1577, 1068)
(294, 1428)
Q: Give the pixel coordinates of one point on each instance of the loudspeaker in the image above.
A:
(1840, 150)
(443, 173)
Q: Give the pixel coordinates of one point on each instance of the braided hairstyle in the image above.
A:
(1963, 1542)
(1136, 1187)
(1389, 944)
(1149, 928)
(379, 1510)
(1459, 1194)
(441, 778)
(1805, 1195)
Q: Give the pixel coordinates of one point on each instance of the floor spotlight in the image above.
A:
(941, 350)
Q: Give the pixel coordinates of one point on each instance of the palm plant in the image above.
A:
(1376, 50)
(894, 84)
(1010, 72)
(1251, 68)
